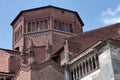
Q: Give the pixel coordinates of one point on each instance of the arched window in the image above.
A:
(37, 26)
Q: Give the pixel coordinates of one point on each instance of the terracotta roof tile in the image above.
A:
(80, 42)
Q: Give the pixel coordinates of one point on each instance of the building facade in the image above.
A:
(49, 44)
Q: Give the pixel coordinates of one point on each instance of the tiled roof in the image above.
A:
(82, 41)
(47, 63)
(37, 66)
(23, 11)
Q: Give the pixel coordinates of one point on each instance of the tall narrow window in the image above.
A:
(37, 26)
(41, 25)
(60, 26)
(46, 24)
(66, 27)
(71, 28)
(21, 31)
(29, 27)
(55, 24)
(15, 36)
(33, 26)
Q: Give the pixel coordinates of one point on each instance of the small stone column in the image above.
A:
(82, 69)
(91, 63)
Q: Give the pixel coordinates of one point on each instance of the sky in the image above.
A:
(94, 13)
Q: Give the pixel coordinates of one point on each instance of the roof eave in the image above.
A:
(12, 23)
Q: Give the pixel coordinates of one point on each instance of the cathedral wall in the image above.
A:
(47, 73)
(14, 63)
(67, 17)
(4, 61)
(93, 76)
(17, 33)
(40, 54)
(39, 39)
(58, 39)
(18, 44)
(115, 56)
(36, 14)
(105, 63)
(79, 27)
(24, 75)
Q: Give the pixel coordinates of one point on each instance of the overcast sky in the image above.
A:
(94, 13)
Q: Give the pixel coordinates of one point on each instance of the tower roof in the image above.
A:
(23, 11)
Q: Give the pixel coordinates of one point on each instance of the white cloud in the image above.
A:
(111, 16)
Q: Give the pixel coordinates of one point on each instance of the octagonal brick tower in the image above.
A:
(45, 24)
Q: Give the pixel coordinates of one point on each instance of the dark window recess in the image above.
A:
(17, 48)
(8, 78)
(55, 24)
(62, 12)
(71, 28)
(56, 59)
(1, 79)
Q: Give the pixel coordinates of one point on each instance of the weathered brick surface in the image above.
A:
(40, 39)
(40, 54)
(24, 75)
(14, 63)
(82, 41)
(48, 13)
(46, 73)
(4, 61)
(9, 61)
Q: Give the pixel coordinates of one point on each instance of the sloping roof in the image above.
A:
(6, 74)
(97, 46)
(37, 66)
(23, 11)
(82, 41)
(47, 63)
(10, 51)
